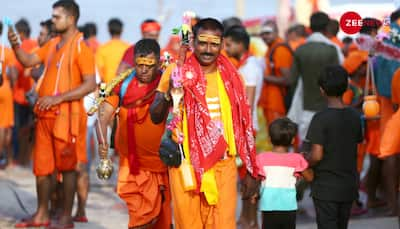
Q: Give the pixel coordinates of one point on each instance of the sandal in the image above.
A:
(25, 223)
(80, 219)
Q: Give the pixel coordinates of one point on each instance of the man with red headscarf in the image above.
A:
(150, 30)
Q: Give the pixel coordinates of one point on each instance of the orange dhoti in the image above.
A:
(191, 209)
(147, 197)
(50, 153)
(390, 142)
(81, 144)
(7, 107)
(272, 103)
(146, 194)
(372, 137)
(6, 95)
(387, 128)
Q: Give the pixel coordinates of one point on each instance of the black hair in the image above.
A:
(231, 21)
(91, 29)
(22, 26)
(334, 80)
(148, 20)
(394, 16)
(145, 47)
(282, 131)
(82, 29)
(70, 6)
(209, 24)
(1, 27)
(319, 21)
(238, 34)
(299, 30)
(347, 40)
(333, 27)
(369, 25)
(115, 26)
(48, 24)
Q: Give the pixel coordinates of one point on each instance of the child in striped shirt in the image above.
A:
(280, 170)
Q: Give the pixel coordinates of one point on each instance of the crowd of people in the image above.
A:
(184, 123)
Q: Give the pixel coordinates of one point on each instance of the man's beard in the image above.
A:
(60, 31)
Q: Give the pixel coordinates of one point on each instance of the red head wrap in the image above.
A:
(150, 26)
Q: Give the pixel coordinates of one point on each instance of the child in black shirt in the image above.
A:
(334, 134)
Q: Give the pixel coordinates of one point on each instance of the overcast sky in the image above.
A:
(133, 12)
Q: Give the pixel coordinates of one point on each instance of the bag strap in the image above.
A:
(271, 54)
(370, 77)
(125, 85)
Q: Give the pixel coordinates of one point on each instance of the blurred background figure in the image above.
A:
(110, 53)
(90, 35)
(23, 129)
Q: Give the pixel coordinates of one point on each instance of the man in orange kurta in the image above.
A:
(8, 73)
(296, 36)
(278, 60)
(143, 179)
(390, 147)
(390, 143)
(356, 65)
(61, 122)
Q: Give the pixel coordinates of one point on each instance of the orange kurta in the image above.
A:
(295, 44)
(272, 96)
(386, 114)
(24, 82)
(108, 57)
(396, 87)
(6, 97)
(390, 142)
(142, 192)
(61, 131)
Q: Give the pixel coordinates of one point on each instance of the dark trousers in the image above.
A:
(23, 114)
(279, 219)
(332, 214)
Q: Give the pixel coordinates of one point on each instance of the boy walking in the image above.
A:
(334, 134)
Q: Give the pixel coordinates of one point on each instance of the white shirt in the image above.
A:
(88, 102)
(252, 73)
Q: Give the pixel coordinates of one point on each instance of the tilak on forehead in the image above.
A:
(145, 61)
(209, 38)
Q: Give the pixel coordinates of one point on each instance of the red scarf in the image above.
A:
(206, 143)
(136, 97)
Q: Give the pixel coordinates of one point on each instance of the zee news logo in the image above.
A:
(351, 22)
